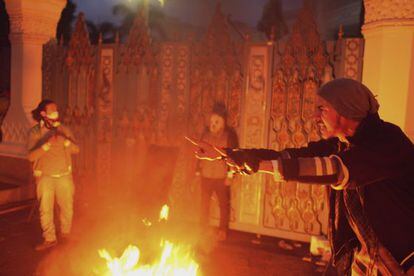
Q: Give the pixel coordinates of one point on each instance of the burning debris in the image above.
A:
(173, 260)
(165, 211)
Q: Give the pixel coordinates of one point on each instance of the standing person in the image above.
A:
(368, 166)
(50, 148)
(215, 176)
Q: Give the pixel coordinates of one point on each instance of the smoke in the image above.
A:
(114, 217)
(195, 12)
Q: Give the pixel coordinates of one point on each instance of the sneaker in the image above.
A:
(45, 245)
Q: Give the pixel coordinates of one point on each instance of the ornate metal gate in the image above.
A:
(119, 98)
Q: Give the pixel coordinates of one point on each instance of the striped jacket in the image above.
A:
(371, 184)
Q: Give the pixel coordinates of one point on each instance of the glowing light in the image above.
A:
(118, 266)
(146, 222)
(165, 210)
(174, 260)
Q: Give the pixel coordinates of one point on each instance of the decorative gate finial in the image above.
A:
(138, 47)
(80, 50)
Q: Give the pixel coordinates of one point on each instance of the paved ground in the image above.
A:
(237, 256)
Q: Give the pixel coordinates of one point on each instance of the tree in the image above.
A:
(64, 27)
(4, 25)
(272, 22)
(107, 29)
(155, 18)
(127, 14)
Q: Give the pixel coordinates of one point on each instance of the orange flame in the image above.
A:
(174, 259)
(165, 210)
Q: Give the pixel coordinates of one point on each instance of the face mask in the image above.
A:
(52, 120)
(53, 116)
(216, 124)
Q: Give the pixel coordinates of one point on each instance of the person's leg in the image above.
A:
(206, 192)
(223, 196)
(64, 198)
(46, 195)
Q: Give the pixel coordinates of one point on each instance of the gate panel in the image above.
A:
(250, 192)
(295, 210)
(119, 98)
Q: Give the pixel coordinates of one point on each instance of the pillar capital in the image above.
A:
(383, 13)
(33, 22)
(389, 58)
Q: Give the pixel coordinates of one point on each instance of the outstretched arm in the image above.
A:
(316, 170)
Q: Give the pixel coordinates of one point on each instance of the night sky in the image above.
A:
(197, 12)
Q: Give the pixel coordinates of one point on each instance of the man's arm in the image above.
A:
(319, 148)
(70, 141)
(36, 147)
(315, 170)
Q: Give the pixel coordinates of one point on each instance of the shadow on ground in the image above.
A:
(237, 256)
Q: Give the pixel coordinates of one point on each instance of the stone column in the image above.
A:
(32, 23)
(389, 59)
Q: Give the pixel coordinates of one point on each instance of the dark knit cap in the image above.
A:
(220, 109)
(350, 98)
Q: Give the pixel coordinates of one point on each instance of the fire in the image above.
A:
(165, 210)
(174, 259)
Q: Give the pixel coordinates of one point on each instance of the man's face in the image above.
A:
(216, 123)
(51, 111)
(327, 119)
(51, 114)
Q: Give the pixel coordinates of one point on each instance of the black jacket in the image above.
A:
(380, 161)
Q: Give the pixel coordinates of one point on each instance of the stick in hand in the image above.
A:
(206, 151)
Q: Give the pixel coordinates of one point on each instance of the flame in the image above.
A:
(174, 260)
(165, 210)
(146, 222)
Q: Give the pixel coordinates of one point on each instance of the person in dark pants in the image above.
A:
(368, 166)
(215, 176)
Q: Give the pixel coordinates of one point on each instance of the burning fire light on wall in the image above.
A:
(174, 259)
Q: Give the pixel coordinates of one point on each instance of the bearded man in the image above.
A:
(367, 164)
